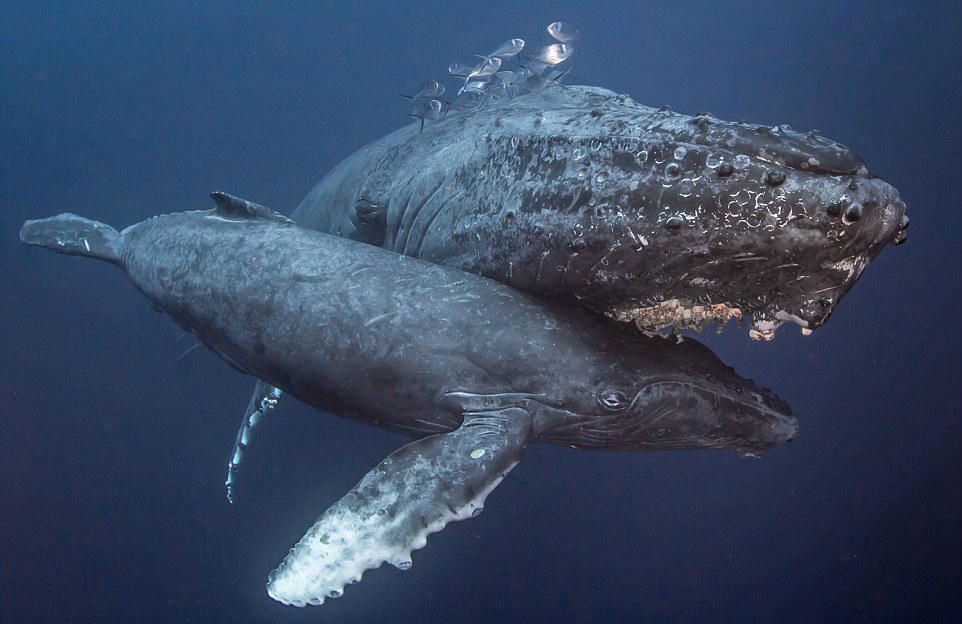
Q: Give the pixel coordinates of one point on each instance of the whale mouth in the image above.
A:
(715, 412)
(796, 277)
(676, 315)
(808, 310)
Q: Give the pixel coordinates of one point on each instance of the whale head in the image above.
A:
(673, 396)
(763, 224)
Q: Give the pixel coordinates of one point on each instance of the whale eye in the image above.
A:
(613, 399)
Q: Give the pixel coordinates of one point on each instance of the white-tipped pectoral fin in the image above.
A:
(414, 492)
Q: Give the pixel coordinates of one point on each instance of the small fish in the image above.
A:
(553, 54)
(477, 86)
(428, 89)
(488, 67)
(460, 70)
(501, 84)
(534, 83)
(562, 31)
(508, 49)
(426, 109)
(469, 100)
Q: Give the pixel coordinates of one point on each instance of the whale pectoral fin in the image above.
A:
(414, 492)
(263, 400)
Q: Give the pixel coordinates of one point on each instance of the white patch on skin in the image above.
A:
(379, 317)
(215, 217)
(852, 266)
(782, 315)
(764, 330)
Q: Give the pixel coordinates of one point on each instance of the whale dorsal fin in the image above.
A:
(230, 205)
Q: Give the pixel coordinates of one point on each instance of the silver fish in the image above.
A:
(429, 89)
(477, 86)
(426, 110)
(553, 54)
(460, 70)
(469, 100)
(487, 67)
(562, 31)
(508, 49)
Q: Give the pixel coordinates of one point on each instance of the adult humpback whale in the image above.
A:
(582, 195)
(478, 368)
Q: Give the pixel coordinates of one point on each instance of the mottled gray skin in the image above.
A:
(472, 367)
(579, 194)
(397, 342)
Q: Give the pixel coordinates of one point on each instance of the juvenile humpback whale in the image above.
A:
(474, 369)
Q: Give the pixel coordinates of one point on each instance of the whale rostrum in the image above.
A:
(471, 368)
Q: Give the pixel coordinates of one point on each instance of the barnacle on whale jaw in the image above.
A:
(676, 315)
(673, 316)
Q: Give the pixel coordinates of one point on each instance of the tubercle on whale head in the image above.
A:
(765, 224)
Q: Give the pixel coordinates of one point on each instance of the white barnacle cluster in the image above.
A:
(508, 71)
(675, 315)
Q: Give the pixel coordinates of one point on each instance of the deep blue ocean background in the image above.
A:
(113, 452)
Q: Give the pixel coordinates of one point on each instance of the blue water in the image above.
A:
(113, 452)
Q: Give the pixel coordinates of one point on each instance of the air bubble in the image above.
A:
(742, 161)
(672, 170)
(642, 156)
(680, 153)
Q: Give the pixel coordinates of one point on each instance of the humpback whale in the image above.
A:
(649, 216)
(474, 369)
(583, 196)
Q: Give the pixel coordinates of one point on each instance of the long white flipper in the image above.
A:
(416, 491)
(263, 400)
